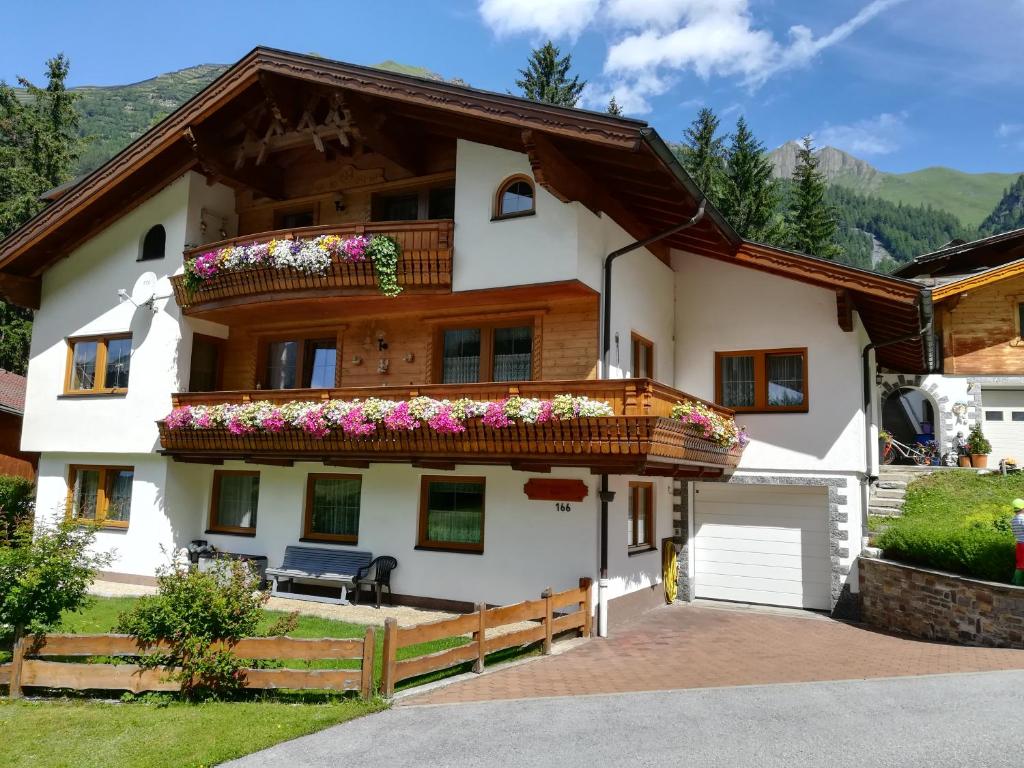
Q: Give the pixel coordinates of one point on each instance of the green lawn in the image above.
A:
(92, 734)
(955, 521)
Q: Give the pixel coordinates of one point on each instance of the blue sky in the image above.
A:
(905, 84)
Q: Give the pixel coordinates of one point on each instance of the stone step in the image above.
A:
(889, 493)
(892, 484)
(885, 511)
(878, 502)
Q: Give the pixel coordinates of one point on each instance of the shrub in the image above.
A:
(958, 522)
(200, 616)
(44, 572)
(977, 443)
(17, 502)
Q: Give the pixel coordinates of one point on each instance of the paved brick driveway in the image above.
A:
(687, 646)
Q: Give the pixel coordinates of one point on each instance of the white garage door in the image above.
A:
(1004, 423)
(762, 544)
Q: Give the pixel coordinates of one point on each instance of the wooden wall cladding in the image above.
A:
(555, 489)
(980, 330)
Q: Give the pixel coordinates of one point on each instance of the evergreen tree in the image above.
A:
(702, 154)
(812, 222)
(546, 77)
(613, 107)
(1008, 213)
(39, 145)
(749, 197)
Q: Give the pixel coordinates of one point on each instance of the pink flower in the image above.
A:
(354, 423)
(400, 418)
(313, 423)
(495, 416)
(354, 248)
(203, 421)
(206, 266)
(544, 415)
(179, 418)
(237, 427)
(274, 422)
(444, 422)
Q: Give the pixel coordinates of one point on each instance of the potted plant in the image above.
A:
(979, 447)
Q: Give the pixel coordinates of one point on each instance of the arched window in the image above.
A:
(153, 243)
(515, 198)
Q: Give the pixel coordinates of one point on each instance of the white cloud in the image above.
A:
(1009, 130)
(552, 18)
(879, 135)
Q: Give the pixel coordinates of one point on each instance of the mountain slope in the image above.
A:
(968, 196)
(1009, 214)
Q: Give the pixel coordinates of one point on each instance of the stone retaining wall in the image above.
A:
(934, 605)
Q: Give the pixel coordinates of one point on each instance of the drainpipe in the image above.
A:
(606, 496)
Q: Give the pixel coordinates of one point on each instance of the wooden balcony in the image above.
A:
(640, 438)
(425, 266)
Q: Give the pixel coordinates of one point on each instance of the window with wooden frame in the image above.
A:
(515, 197)
(418, 204)
(100, 494)
(206, 370)
(762, 381)
(299, 363)
(451, 513)
(332, 508)
(234, 501)
(485, 352)
(640, 517)
(1020, 319)
(295, 218)
(643, 357)
(98, 365)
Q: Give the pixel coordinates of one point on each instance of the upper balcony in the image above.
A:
(639, 431)
(424, 266)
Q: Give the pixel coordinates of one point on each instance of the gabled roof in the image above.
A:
(12, 392)
(618, 166)
(959, 259)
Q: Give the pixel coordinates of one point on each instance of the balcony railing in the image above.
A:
(425, 264)
(640, 438)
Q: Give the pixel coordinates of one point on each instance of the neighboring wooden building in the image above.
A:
(14, 461)
(510, 218)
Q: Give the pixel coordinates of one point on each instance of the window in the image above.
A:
(762, 381)
(487, 353)
(332, 508)
(993, 415)
(514, 198)
(154, 243)
(404, 207)
(1020, 319)
(206, 369)
(643, 357)
(98, 365)
(294, 219)
(301, 363)
(640, 517)
(414, 204)
(441, 203)
(1018, 415)
(100, 494)
(236, 496)
(452, 513)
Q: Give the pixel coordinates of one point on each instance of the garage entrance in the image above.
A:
(762, 544)
(1004, 423)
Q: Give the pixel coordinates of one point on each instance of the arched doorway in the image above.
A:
(909, 414)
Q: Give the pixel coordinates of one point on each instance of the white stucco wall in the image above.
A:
(723, 307)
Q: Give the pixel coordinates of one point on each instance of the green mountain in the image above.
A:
(114, 116)
(968, 196)
(1009, 213)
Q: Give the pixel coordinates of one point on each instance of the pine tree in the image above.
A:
(812, 222)
(613, 107)
(749, 197)
(39, 145)
(546, 77)
(1008, 213)
(702, 154)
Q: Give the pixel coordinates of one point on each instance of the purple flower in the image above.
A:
(495, 416)
(313, 423)
(206, 266)
(179, 418)
(544, 415)
(354, 248)
(445, 422)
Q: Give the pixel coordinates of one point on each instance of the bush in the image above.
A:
(977, 443)
(200, 616)
(44, 572)
(958, 522)
(17, 502)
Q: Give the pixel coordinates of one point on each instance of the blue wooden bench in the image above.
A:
(333, 567)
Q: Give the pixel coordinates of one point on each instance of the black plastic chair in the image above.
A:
(376, 575)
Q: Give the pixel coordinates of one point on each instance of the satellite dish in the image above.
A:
(143, 293)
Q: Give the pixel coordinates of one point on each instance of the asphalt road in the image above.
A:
(974, 720)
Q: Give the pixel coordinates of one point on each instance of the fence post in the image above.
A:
(388, 670)
(548, 617)
(481, 638)
(369, 647)
(14, 690)
(586, 585)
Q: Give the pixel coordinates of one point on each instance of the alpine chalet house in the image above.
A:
(504, 342)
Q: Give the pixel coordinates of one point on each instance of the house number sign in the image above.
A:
(560, 491)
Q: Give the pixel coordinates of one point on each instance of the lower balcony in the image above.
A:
(424, 265)
(640, 429)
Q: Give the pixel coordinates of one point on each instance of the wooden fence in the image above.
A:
(548, 611)
(29, 667)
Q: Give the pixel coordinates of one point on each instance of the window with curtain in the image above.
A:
(452, 513)
(282, 358)
(236, 498)
(332, 507)
(98, 365)
(762, 381)
(640, 516)
(101, 494)
(487, 353)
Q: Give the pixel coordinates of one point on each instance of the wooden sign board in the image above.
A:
(551, 489)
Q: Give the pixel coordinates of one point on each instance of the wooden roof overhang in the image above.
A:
(965, 258)
(956, 288)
